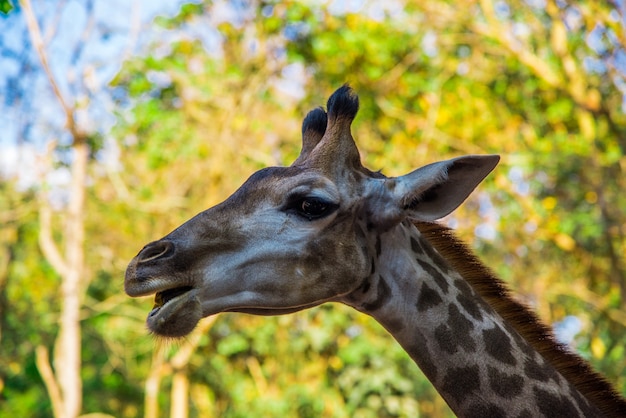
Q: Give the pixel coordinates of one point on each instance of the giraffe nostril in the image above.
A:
(155, 250)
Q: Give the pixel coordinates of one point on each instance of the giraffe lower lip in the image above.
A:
(176, 313)
(154, 311)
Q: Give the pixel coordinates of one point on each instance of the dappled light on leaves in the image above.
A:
(540, 83)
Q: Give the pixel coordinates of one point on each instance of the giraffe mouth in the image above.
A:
(175, 313)
(163, 297)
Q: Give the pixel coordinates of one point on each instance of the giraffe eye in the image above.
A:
(313, 207)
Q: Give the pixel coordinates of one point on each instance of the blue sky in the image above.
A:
(85, 49)
(84, 61)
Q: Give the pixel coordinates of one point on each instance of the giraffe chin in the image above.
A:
(177, 317)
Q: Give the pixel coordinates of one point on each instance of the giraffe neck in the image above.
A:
(477, 360)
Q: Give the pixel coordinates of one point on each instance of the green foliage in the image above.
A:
(436, 80)
(6, 6)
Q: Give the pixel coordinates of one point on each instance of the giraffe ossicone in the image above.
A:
(327, 229)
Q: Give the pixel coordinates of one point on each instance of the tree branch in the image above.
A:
(181, 358)
(46, 243)
(52, 28)
(38, 44)
(47, 375)
(68, 383)
(570, 82)
(48, 247)
(153, 383)
(493, 29)
(176, 364)
(179, 394)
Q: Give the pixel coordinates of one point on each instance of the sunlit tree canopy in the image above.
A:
(170, 114)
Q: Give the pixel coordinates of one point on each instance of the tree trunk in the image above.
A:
(68, 355)
(180, 390)
(64, 384)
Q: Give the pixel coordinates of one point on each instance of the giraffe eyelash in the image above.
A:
(310, 207)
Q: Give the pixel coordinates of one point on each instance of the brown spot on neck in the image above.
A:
(382, 296)
(576, 370)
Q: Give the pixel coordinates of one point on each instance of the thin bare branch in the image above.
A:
(181, 358)
(257, 375)
(48, 247)
(42, 359)
(52, 28)
(161, 367)
(494, 29)
(84, 36)
(38, 44)
(153, 383)
(135, 27)
(179, 406)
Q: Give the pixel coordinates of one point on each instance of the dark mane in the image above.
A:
(495, 292)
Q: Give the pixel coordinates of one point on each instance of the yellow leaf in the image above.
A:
(565, 242)
(549, 202)
(587, 125)
(335, 362)
(591, 197)
(598, 349)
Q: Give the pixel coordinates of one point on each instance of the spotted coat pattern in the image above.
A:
(328, 229)
(480, 365)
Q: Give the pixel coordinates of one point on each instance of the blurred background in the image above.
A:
(120, 120)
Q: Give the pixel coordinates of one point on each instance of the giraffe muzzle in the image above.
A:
(154, 251)
(176, 309)
(148, 273)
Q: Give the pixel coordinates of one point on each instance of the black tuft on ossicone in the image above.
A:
(315, 121)
(343, 103)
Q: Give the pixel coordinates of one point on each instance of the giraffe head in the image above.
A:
(293, 237)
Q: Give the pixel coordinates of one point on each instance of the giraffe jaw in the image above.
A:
(272, 311)
(176, 312)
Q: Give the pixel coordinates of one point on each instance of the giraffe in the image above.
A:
(327, 229)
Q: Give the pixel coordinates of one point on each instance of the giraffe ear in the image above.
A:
(435, 190)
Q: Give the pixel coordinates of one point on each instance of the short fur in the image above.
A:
(315, 121)
(495, 292)
(343, 103)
